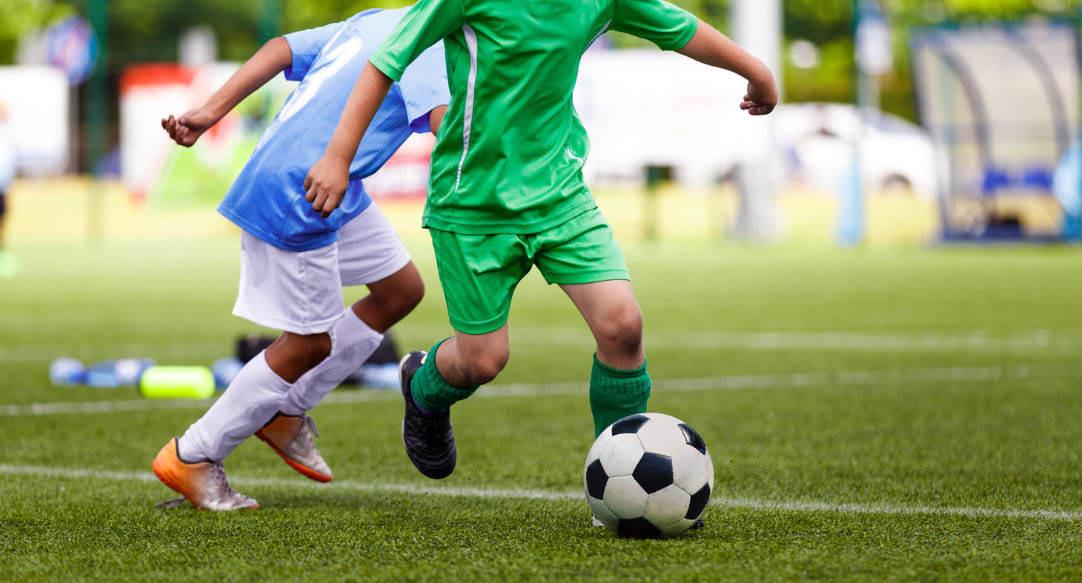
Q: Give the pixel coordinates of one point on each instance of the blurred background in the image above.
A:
(906, 122)
(867, 304)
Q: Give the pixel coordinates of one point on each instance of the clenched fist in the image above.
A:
(326, 184)
(188, 128)
(762, 96)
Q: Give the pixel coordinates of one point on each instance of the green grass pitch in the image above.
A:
(878, 414)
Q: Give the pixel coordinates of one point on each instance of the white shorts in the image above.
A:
(301, 292)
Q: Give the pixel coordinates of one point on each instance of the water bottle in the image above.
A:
(177, 382)
(102, 375)
(130, 370)
(67, 372)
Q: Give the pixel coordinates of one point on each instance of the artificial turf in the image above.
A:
(848, 398)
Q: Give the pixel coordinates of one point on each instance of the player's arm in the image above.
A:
(331, 173)
(711, 47)
(435, 119)
(428, 22)
(327, 181)
(674, 29)
(273, 58)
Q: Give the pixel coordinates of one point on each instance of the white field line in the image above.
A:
(44, 353)
(972, 342)
(525, 494)
(896, 509)
(967, 375)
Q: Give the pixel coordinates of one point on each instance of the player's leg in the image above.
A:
(296, 292)
(357, 335)
(615, 320)
(292, 355)
(192, 464)
(479, 276)
(584, 258)
(391, 299)
(619, 382)
(369, 253)
(456, 367)
(432, 382)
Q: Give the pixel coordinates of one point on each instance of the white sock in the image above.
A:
(253, 398)
(352, 342)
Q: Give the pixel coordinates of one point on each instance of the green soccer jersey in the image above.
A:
(509, 155)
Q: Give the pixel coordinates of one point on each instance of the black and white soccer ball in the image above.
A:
(649, 475)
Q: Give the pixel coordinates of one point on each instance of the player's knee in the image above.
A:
(484, 368)
(621, 330)
(314, 349)
(400, 301)
(411, 296)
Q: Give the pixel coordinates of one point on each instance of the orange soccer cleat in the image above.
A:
(293, 439)
(203, 484)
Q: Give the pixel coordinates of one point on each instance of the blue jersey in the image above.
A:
(267, 199)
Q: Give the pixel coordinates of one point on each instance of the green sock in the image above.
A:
(431, 391)
(615, 394)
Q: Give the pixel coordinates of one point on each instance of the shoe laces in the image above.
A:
(311, 424)
(218, 475)
(307, 433)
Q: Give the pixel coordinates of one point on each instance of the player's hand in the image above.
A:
(326, 184)
(762, 97)
(188, 128)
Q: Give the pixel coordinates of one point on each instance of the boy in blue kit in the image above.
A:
(294, 261)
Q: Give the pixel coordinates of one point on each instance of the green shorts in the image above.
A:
(479, 273)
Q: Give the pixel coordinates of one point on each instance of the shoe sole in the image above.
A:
(300, 468)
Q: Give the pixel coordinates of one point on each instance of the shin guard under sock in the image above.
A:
(615, 394)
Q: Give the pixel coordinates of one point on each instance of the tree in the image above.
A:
(20, 17)
(148, 30)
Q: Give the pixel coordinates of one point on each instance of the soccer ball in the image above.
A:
(648, 476)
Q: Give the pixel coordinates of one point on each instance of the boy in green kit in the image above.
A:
(507, 190)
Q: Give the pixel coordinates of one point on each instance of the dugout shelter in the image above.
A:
(1001, 102)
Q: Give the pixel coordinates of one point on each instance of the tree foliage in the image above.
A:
(17, 17)
(148, 30)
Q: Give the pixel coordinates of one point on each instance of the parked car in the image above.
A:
(819, 137)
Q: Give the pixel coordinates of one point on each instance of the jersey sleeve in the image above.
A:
(306, 45)
(428, 22)
(424, 87)
(668, 26)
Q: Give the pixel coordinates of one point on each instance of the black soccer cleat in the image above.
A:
(429, 439)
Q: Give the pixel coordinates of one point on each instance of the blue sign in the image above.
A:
(72, 47)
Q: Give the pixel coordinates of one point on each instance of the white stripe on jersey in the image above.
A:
(471, 85)
(604, 29)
